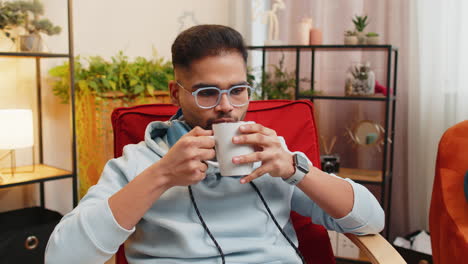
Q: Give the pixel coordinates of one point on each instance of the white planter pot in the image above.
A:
(375, 40)
(30, 43)
(361, 38)
(350, 40)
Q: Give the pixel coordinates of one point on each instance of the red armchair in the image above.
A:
(448, 217)
(294, 121)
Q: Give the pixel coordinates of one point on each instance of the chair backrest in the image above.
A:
(294, 120)
(448, 215)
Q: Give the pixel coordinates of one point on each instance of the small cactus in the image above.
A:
(360, 23)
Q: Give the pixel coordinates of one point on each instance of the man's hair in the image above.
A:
(206, 40)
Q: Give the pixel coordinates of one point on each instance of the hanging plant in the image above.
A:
(119, 75)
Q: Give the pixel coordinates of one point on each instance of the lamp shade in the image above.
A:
(16, 128)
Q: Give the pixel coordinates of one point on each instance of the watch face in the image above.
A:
(301, 163)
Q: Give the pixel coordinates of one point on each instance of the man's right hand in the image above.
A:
(183, 164)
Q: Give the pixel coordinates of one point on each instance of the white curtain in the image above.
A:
(438, 92)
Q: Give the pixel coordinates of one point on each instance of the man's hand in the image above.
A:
(183, 165)
(275, 159)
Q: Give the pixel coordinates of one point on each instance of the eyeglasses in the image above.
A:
(209, 97)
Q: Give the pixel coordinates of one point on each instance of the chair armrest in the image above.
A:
(377, 249)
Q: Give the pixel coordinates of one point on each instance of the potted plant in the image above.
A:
(10, 17)
(118, 77)
(350, 37)
(31, 11)
(360, 23)
(278, 84)
(360, 80)
(372, 38)
(102, 85)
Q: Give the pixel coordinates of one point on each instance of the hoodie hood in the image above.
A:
(160, 136)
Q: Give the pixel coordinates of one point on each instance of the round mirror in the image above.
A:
(367, 133)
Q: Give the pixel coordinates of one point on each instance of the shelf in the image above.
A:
(321, 47)
(41, 173)
(382, 98)
(33, 55)
(361, 175)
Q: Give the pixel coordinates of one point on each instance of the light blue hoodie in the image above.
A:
(171, 232)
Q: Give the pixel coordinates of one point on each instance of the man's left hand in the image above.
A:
(268, 149)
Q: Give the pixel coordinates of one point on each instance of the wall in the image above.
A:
(100, 28)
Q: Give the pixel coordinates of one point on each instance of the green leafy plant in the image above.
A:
(31, 11)
(120, 76)
(311, 92)
(279, 83)
(360, 23)
(372, 34)
(250, 76)
(10, 17)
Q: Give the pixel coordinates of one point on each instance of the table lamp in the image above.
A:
(16, 132)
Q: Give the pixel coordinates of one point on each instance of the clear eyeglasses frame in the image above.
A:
(209, 97)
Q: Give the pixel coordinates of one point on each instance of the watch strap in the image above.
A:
(301, 169)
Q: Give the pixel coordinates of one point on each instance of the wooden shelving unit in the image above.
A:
(32, 174)
(361, 175)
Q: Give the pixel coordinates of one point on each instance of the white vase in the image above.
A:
(30, 43)
(350, 40)
(361, 38)
(303, 29)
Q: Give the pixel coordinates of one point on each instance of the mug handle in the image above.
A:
(210, 162)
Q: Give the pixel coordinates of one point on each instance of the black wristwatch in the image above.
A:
(301, 166)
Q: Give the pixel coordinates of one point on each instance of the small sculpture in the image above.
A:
(187, 20)
(270, 17)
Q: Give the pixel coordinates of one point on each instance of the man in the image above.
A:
(142, 198)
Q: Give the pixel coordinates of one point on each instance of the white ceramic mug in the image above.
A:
(226, 150)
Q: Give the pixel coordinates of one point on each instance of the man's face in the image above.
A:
(222, 71)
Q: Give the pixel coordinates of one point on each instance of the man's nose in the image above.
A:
(224, 104)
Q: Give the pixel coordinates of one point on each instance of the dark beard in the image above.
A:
(209, 122)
